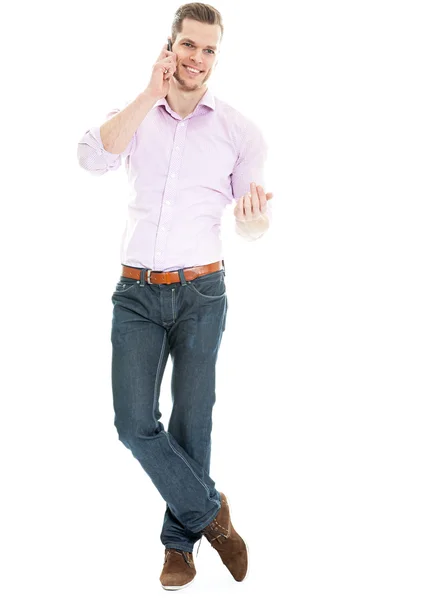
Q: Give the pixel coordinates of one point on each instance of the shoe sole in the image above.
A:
(174, 588)
(248, 551)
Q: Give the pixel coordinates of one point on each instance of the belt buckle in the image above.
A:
(148, 275)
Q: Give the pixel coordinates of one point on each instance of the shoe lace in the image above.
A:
(212, 539)
(219, 535)
(186, 558)
(200, 541)
(182, 552)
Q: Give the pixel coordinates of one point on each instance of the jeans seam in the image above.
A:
(184, 460)
(173, 304)
(155, 393)
(190, 549)
(194, 289)
(201, 527)
(125, 288)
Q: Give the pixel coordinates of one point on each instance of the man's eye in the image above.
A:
(188, 44)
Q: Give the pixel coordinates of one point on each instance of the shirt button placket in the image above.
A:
(169, 195)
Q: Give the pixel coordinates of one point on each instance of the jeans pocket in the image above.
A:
(211, 286)
(124, 284)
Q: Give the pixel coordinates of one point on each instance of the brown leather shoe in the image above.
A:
(227, 542)
(178, 571)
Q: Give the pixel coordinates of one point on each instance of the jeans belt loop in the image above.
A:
(182, 277)
(142, 277)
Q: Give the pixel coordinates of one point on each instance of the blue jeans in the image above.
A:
(149, 322)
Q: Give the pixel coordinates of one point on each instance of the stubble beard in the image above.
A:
(191, 87)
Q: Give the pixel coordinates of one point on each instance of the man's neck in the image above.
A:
(184, 103)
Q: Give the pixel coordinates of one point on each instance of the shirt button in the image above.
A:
(181, 124)
(167, 202)
(177, 147)
(158, 254)
(172, 174)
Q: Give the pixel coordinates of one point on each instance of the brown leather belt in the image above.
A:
(172, 276)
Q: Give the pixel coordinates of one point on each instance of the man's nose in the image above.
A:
(197, 56)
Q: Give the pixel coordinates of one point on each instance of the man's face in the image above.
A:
(197, 46)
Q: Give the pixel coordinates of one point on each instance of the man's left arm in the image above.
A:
(252, 212)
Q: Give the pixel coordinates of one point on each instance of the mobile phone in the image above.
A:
(169, 45)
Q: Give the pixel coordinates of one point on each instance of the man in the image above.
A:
(188, 156)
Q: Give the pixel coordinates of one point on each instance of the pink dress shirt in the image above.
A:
(182, 175)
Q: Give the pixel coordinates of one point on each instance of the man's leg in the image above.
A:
(140, 350)
(194, 342)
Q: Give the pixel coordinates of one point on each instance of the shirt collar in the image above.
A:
(208, 99)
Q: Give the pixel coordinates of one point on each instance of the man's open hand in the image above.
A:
(253, 205)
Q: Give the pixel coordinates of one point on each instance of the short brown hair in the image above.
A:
(204, 13)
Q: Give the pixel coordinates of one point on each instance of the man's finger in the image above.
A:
(164, 52)
(239, 209)
(255, 204)
(248, 207)
(262, 198)
(255, 201)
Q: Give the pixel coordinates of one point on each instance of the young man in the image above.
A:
(188, 155)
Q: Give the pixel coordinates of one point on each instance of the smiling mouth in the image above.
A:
(192, 73)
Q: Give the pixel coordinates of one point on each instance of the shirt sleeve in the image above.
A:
(250, 163)
(92, 155)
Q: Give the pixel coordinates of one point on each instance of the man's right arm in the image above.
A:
(117, 132)
(101, 149)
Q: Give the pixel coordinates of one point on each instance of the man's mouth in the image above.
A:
(192, 72)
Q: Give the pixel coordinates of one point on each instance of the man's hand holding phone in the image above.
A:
(162, 71)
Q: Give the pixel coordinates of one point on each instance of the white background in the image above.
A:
(316, 436)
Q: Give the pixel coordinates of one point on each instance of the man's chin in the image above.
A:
(189, 85)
